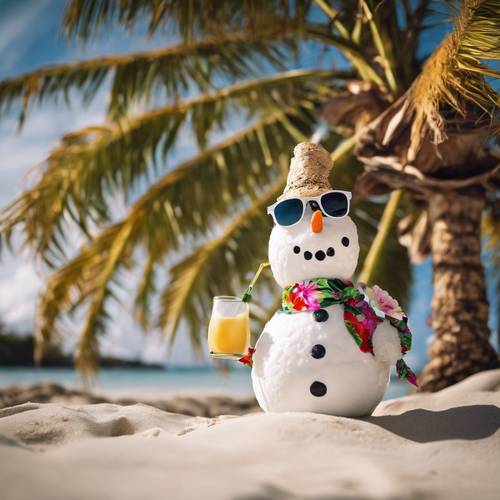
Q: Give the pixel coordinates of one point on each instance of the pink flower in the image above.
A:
(308, 293)
(384, 302)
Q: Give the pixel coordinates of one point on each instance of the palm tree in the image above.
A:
(432, 143)
(203, 218)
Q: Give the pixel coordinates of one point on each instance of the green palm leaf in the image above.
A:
(153, 223)
(91, 164)
(169, 71)
(70, 286)
(145, 290)
(189, 18)
(217, 267)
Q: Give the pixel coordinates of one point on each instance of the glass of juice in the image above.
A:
(229, 329)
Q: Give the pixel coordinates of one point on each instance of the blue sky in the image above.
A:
(30, 37)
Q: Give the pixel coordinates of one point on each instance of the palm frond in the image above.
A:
(72, 285)
(169, 71)
(384, 229)
(91, 164)
(145, 290)
(393, 271)
(333, 16)
(190, 19)
(456, 73)
(349, 45)
(449, 110)
(382, 42)
(84, 18)
(158, 221)
(95, 324)
(218, 267)
(360, 61)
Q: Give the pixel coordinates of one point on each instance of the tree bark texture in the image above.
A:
(460, 308)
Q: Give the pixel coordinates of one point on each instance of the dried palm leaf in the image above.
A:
(446, 114)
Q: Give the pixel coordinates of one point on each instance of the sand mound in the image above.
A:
(45, 425)
(444, 445)
(197, 405)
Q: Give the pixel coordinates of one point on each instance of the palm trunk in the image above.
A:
(460, 308)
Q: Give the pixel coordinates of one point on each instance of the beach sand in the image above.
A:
(444, 445)
(197, 403)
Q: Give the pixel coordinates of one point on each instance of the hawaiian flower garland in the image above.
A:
(361, 313)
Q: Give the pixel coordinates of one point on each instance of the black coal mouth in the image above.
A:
(318, 254)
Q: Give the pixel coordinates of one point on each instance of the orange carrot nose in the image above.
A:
(317, 222)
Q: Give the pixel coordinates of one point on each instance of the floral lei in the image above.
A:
(362, 312)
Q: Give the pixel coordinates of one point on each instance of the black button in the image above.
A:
(320, 315)
(318, 389)
(296, 249)
(318, 351)
(330, 252)
(308, 255)
(345, 241)
(320, 255)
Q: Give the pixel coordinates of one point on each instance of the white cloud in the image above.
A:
(18, 292)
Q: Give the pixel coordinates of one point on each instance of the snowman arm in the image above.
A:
(386, 345)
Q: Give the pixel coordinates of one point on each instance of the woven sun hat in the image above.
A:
(309, 170)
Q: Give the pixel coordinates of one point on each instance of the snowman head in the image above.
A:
(317, 245)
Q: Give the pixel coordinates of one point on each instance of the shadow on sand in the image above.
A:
(424, 426)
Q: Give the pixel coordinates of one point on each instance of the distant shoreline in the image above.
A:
(109, 363)
(16, 351)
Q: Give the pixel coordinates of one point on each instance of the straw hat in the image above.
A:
(309, 169)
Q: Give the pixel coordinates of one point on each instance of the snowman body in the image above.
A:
(308, 361)
(304, 365)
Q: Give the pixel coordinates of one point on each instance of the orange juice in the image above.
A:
(229, 336)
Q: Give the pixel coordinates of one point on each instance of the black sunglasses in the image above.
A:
(289, 212)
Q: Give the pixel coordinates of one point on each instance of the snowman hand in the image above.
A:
(386, 345)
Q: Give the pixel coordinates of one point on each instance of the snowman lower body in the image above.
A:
(302, 364)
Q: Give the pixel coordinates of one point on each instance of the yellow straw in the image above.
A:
(247, 296)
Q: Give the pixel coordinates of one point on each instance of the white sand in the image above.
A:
(445, 445)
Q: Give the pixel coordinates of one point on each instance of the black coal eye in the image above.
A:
(345, 241)
(296, 249)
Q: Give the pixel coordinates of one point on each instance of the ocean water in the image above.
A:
(236, 382)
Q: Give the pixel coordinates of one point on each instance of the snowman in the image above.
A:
(330, 347)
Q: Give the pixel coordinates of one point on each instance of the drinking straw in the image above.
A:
(247, 296)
